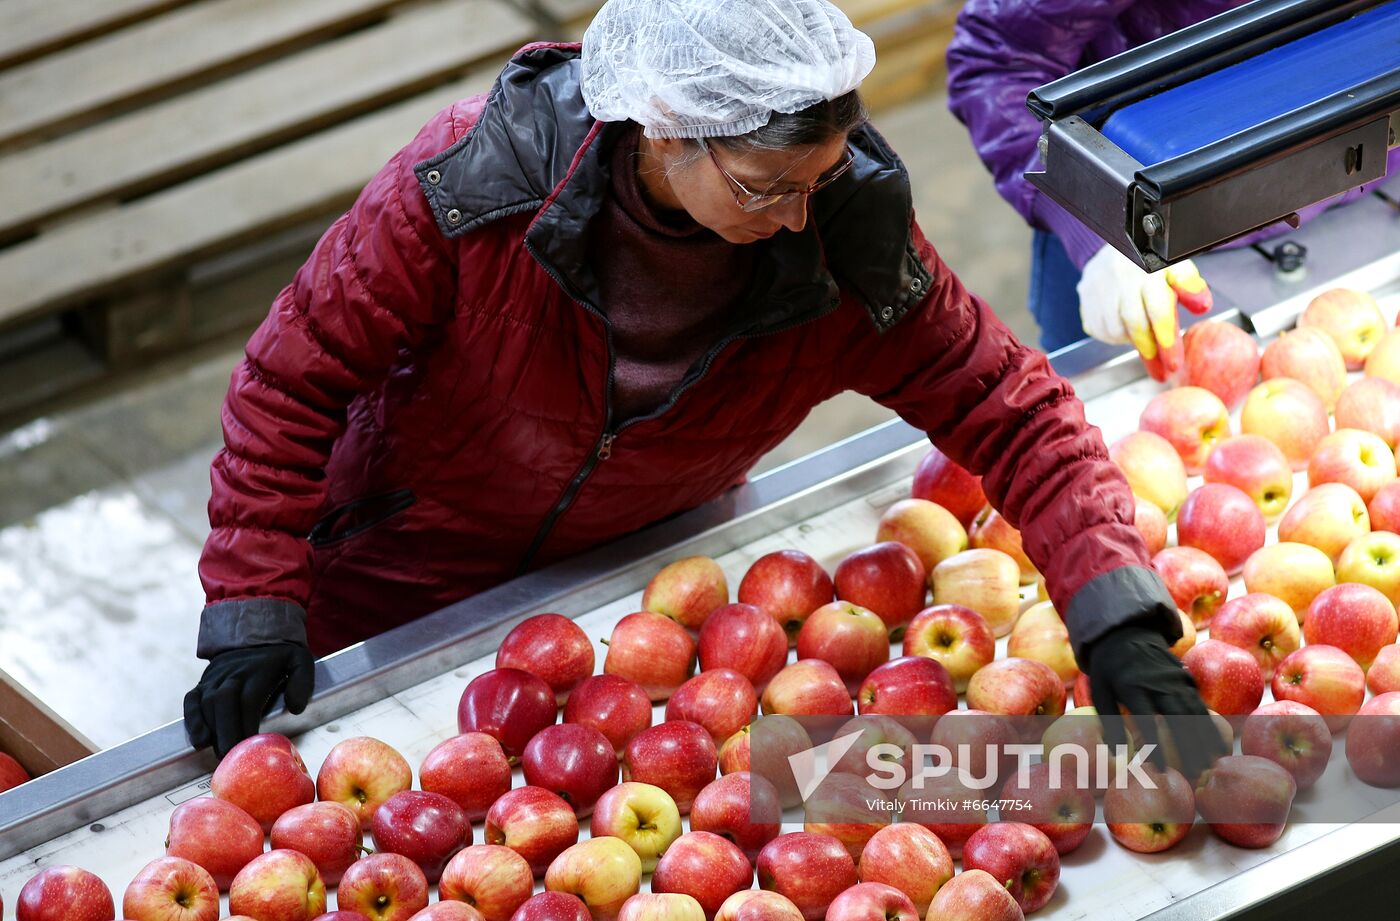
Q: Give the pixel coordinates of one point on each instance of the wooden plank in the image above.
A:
(173, 140)
(157, 57)
(114, 250)
(29, 28)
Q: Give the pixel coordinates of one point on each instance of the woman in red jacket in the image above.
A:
(594, 298)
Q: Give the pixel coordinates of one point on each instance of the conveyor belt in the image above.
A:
(1233, 99)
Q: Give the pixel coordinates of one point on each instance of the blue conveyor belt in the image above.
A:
(1225, 102)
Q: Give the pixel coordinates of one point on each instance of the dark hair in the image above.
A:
(813, 125)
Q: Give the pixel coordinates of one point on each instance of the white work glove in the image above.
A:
(1119, 302)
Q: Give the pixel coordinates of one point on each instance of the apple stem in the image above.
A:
(364, 851)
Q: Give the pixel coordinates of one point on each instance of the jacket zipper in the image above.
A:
(602, 449)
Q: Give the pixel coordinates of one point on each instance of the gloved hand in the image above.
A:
(240, 685)
(1119, 302)
(1131, 667)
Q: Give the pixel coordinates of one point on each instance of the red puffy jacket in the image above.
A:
(425, 411)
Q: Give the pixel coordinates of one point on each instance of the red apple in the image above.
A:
(1373, 559)
(1356, 619)
(1351, 319)
(985, 580)
(1373, 405)
(1196, 580)
(976, 742)
(1019, 854)
(1308, 355)
(278, 886)
(603, 872)
(1150, 819)
(1154, 470)
(1353, 457)
(1293, 736)
(1222, 521)
(956, 637)
(758, 905)
(12, 773)
(1384, 508)
(850, 638)
(65, 894)
(687, 591)
(788, 585)
(1261, 625)
(328, 833)
(652, 650)
(1290, 415)
(946, 805)
(744, 639)
(427, 828)
(1373, 741)
(992, 531)
(494, 880)
(974, 895)
(1229, 678)
(811, 870)
(362, 773)
(873, 732)
(808, 687)
(614, 706)
(216, 835)
(328, 916)
(938, 479)
(1041, 635)
(171, 889)
(1062, 811)
(1083, 697)
(646, 906)
(927, 528)
(1246, 799)
(765, 748)
(643, 815)
(264, 776)
(742, 807)
(552, 647)
(1017, 687)
(1222, 358)
(872, 902)
(1254, 465)
(470, 769)
(576, 762)
(1192, 418)
(908, 686)
(534, 823)
(1151, 522)
(1384, 674)
(678, 756)
(553, 906)
(1292, 572)
(508, 704)
(1324, 678)
(706, 867)
(888, 579)
(721, 700)
(850, 808)
(448, 911)
(383, 887)
(909, 858)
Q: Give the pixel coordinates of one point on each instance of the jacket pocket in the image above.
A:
(355, 518)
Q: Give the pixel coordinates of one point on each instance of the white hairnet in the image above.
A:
(718, 68)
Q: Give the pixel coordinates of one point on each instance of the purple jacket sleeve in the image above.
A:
(1001, 50)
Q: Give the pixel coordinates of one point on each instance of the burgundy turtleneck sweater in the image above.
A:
(669, 287)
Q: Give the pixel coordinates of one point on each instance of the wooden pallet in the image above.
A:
(166, 164)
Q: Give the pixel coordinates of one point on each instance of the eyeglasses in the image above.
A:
(750, 201)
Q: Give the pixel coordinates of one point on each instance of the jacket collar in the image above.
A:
(535, 148)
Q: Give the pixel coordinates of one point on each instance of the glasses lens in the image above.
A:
(760, 202)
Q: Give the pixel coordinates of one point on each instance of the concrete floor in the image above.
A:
(102, 503)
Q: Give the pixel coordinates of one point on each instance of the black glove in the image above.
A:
(1131, 667)
(240, 685)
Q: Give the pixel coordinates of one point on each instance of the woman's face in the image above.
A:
(678, 175)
